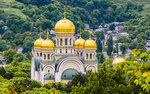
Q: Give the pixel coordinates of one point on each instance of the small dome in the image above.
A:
(118, 60)
(47, 44)
(38, 42)
(64, 26)
(79, 43)
(90, 44)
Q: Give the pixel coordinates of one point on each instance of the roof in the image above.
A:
(69, 74)
(48, 76)
(37, 60)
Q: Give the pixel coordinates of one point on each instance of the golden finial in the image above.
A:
(80, 32)
(47, 33)
(90, 33)
(40, 32)
(64, 11)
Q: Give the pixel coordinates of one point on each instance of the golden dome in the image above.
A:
(38, 42)
(90, 44)
(118, 60)
(47, 44)
(79, 43)
(64, 26)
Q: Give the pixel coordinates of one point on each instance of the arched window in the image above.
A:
(90, 56)
(86, 56)
(71, 50)
(66, 51)
(44, 56)
(51, 56)
(40, 54)
(66, 41)
(60, 50)
(78, 53)
(70, 41)
(61, 42)
(48, 71)
(81, 53)
(48, 56)
(37, 54)
(57, 42)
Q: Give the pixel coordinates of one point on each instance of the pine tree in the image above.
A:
(109, 45)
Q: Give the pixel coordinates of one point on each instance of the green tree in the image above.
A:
(8, 35)
(112, 27)
(99, 45)
(9, 55)
(100, 58)
(123, 48)
(132, 45)
(110, 45)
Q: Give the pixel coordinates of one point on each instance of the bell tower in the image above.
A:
(64, 30)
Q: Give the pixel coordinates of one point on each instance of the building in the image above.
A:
(147, 46)
(61, 61)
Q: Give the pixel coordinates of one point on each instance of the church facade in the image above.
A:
(60, 62)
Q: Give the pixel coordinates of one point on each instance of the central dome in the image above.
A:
(64, 26)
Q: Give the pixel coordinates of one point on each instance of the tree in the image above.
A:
(9, 55)
(110, 45)
(123, 48)
(85, 35)
(2, 71)
(99, 45)
(123, 39)
(79, 78)
(8, 35)
(112, 27)
(132, 45)
(18, 57)
(100, 58)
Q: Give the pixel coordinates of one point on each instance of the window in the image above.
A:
(64, 75)
(60, 50)
(40, 54)
(66, 51)
(70, 41)
(48, 71)
(48, 56)
(86, 56)
(57, 42)
(37, 54)
(72, 75)
(61, 42)
(66, 41)
(81, 53)
(44, 56)
(71, 50)
(78, 53)
(90, 56)
(49, 76)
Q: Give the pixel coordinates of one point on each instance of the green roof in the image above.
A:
(69, 74)
(37, 60)
(48, 76)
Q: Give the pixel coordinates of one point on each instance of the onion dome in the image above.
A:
(47, 44)
(64, 26)
(79, 43)
(90, 44)
(118, 60)
(38, 42)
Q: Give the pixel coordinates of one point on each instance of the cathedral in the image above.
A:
(60, 62)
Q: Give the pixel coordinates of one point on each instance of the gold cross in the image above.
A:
(47, 33)
(90, 33)
(64, 11)
(40, 32)
(80, 32)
